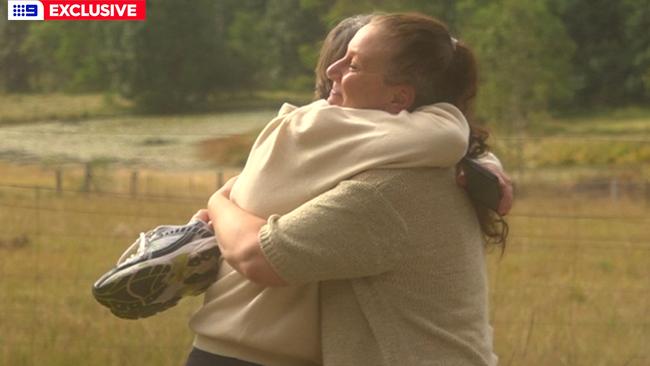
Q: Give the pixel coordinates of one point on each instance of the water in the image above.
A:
(154, 142)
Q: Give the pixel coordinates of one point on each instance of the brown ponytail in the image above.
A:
(440, 69)
(461, 80)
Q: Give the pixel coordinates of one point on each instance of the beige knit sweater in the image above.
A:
(299, 155)
(399, 258)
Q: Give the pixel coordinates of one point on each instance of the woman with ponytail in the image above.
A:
(397, 254)
(458, 86)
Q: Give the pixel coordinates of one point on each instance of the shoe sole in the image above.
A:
(158, 284)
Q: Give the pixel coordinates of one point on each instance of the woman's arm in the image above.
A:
(237, 236)
(350, 231)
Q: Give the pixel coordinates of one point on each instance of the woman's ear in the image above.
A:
(403, 98)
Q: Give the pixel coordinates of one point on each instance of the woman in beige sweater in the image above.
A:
(379, 234)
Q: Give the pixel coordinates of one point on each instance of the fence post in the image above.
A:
(58, 174)
(37, 215)
(88, 178)
(134, 183)
(647, 194)
(219, 178)
(613, 189)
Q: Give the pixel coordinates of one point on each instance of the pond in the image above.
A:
(155, 142)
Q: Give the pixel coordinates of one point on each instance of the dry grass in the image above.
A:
(572, 288)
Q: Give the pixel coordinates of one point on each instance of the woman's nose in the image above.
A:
(333, 72)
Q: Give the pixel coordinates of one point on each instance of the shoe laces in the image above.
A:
(144, 241)
(132, 253)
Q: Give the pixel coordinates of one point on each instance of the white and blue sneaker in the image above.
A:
(158, 269)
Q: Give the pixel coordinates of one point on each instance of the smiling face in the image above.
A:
(358, 79)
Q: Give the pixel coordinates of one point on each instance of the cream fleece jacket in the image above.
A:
(306, 151)
(299, 155)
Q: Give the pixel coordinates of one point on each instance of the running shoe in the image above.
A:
(161, 267)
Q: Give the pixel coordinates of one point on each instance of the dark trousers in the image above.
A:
(202, 358)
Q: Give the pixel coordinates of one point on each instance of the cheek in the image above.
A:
(364, 91)
(355, 87)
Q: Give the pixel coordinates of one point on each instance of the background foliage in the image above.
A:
(572, 288)
(536, 56)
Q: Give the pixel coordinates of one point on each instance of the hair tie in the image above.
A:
(454, 42)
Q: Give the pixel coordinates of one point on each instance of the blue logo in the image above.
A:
(29, 10)
(25, 10)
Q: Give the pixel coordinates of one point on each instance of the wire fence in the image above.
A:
(572, 288)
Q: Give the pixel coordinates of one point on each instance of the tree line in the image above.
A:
(534, 56)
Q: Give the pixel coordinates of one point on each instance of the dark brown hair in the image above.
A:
(440, 68)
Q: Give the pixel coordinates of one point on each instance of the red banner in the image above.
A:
(94, 9)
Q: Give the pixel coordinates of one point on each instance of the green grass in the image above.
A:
(572, 288)
(631, 121)
(615, 137)
(49, 316)
(29, 108)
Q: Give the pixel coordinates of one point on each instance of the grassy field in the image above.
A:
(29, 108)
(572, 288)
(58, 244)
(104, 129)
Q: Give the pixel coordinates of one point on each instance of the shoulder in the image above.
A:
(418, 192)
(323, 109)
(446, 110)
(412, 179)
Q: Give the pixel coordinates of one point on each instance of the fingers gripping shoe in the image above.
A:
(158, 269)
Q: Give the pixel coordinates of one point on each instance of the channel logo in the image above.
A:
(25, 10)
(76, 10)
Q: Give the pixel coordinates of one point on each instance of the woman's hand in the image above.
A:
(217, 197)
(505, 183)
(237, 233)
(507, 195)
(202, 215)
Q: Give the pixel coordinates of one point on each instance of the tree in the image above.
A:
(444, 10)
(247, 42)
(637, 24)
(178, 56)
(603, 60)
(524, 56)
(613, 50)
(69, 56)
(14, 61)
(287, 34)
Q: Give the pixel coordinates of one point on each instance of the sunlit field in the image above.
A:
(571, 288)
(28, 108)
(110, 129)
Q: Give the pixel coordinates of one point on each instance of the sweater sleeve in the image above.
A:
(490, 158)
(349, 231)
